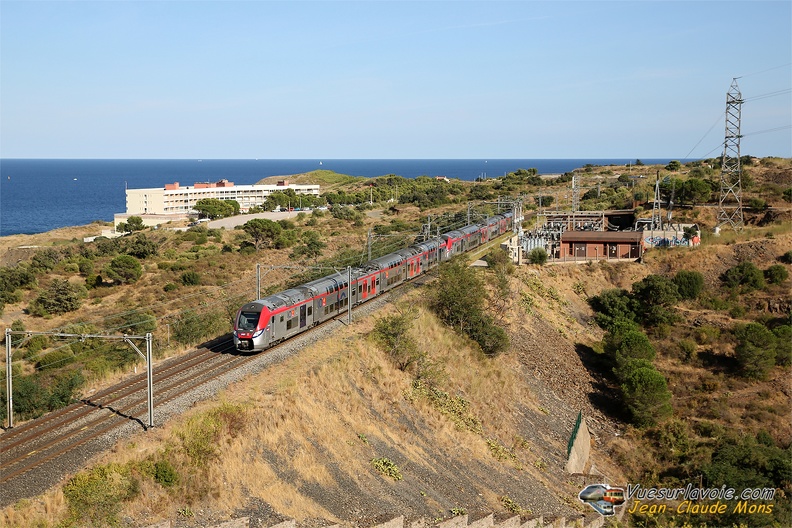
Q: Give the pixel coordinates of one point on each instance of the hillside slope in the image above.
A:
(298, 442)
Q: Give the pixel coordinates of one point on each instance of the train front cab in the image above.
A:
(252, 331)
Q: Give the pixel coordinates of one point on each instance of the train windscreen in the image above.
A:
(248, 321)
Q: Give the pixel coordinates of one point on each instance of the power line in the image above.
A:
(718, 120)
(769, 94)
(765, 71)
(776, 129)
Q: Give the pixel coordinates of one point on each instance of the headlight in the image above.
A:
(258, 334)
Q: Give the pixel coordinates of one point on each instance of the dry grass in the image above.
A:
(328, 412)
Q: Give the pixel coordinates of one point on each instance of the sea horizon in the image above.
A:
(41, 194)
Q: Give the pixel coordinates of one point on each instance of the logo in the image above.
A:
(602, 498)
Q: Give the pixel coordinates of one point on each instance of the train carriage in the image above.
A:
(330, 296)
(262, 323)
(452, 244)
(471, 237)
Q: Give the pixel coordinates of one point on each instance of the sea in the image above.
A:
(39, 195)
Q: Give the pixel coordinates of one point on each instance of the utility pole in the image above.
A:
(657, 220)
(575, 192)
(730, 182)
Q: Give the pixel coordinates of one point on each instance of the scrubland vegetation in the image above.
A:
(690, 352)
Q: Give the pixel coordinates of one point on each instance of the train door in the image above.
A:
(364, 288)
(302, 316)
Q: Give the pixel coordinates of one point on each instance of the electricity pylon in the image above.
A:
(730, 183)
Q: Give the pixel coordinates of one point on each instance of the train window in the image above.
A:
(310, 311)
(272, 320)
(360, 288)
(281, 319)
(289, 324)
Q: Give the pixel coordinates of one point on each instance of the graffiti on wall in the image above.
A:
(671, 241)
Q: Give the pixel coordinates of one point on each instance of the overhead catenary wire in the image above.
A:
(223, 289)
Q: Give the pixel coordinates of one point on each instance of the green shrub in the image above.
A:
(783, 347)
(190, 278)
(165, 474)
(45, 260)
(170, 287)
(60, 297)
(141, 247)
(689, 284)
(55, 359)
(786, 258)
(613, 305)
(776, 274)
(490, 337)
(85, 265)
(745, 276)
(124, 269)
(95, 497)
(386, 468)
(706, 334)
(200, 435)
(538, 256)
(190, 326)
(688, 349)
(755, 350)
(392, 333)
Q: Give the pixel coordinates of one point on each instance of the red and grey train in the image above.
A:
(265, 322)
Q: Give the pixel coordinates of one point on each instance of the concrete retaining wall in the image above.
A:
(460, 521)
(581, 448)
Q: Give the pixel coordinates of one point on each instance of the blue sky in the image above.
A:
(379, 79)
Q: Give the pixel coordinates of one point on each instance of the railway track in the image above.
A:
(36, 454)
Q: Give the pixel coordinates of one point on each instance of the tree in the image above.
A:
(459, 295)
(613, 305)
(392, 332)
(311, 246)
(755, 350)
(124, 269)
(262, 230)
(783, 349)
(632, 344)
(695, 191)
(544, 200)
(142, 247)
(673, 166)
(135, 223)
(745, 276)
(647, 396)
(689, 284)
(214, 208)
(656, 296)
(60, 297)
